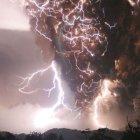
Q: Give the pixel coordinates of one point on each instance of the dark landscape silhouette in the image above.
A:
(132, 132)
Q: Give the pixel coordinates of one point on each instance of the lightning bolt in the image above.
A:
(48, 112)
(111, 26)
(105, 93)
(134, 2)
(26, 82)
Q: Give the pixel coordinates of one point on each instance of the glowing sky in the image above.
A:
(12, 16)
(20, 56)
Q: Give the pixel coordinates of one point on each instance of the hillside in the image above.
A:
(66, 134)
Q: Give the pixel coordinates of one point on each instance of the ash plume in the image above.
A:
(92, 42)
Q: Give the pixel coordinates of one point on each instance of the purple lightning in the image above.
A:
(48, 112)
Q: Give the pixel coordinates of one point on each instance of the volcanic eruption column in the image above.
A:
(73, 29)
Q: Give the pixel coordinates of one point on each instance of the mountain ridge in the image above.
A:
(65, 134)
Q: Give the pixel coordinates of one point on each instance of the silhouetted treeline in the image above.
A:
(31, 136)
(100, 135)
(34, 136)
(7, 136)
(132, 131)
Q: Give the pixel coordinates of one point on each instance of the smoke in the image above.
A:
(99, 40)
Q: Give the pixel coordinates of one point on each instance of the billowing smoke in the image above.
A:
(92, 40)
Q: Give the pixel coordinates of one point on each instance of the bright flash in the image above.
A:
(133, 2)
(45, 117)
(105, 95)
